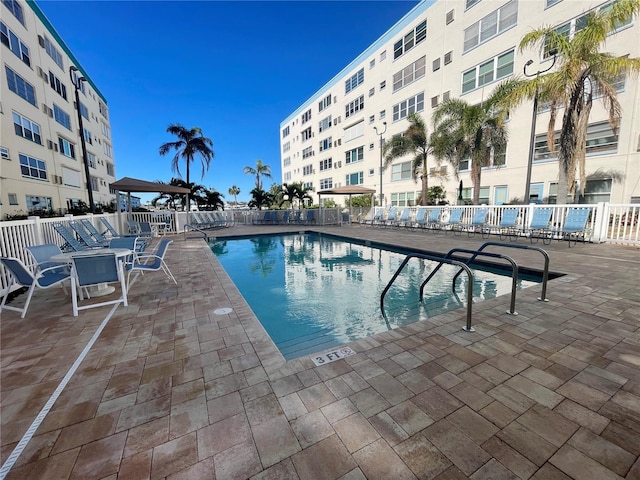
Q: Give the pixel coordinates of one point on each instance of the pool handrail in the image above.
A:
(441, 260)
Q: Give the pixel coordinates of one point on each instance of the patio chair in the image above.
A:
(285, 216)
(378, 215)
(574, 226)
(20, 274)
(508, 227)
(72, 244)
(391, 217)
(478, 223)
(539, 226)
(265, 219)
(93, 231)
(309, 218)
(41, 255)
(152, 262)
(419, 220)
(403, 221)
(112, 231)
(433, 219)
(96, 269)
(297, 217)
(452, 221)
(85, 236)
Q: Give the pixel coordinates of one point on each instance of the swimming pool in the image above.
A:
(312, 292)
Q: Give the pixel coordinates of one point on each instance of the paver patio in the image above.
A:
(173, 390)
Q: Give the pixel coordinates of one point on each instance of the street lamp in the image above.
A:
(381, 145)
(76, 83)
(532, 137)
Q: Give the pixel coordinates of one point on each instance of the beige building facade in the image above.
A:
(458, 49)
(42, 166)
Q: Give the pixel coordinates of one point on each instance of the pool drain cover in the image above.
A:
(222, 311)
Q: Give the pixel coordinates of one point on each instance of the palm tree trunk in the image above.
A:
(425, 188)
(476, 171)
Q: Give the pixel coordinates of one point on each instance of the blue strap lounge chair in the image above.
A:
(574, 226)
(391, 217)
(152, 262)
(508, 227)
(539, 226)
(403, 220)
(433, 220)
(72, 244)
(419, 220)
(93, 231)
(478, 223)
(20, 274)
(96, 269)
(377, 217)
(85, 236)
(453, 223)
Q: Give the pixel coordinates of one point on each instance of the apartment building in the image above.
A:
(41, 143)
(446, 49)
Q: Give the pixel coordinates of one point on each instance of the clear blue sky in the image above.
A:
(235, 69)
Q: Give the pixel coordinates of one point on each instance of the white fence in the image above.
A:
(611, 223)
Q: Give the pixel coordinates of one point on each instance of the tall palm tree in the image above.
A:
(584, 73)
(474, 132)
(190, 144)
(214, 199)
(235, 191)
(260, 198)
(261, 170)
(415, 142)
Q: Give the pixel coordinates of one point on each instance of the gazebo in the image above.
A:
(348, 190)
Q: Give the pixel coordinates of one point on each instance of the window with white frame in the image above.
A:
(410, 105)
(372, 91)
(287, 176)
(356, 178)
(94, 184)
(307, 152)
(353, 107)
(306, 116)
(435, 65)
(285, 131)
(20, 86)
(87, 136)
(104, 111)
(14, 43)
(286, 146)
(401, 171)
(403, 199)
(13, 199)
(308, 186)
(382, 114)
(106, 131)
(111, 171)
(383, 85)
(601, 140)
(61, 117)
(470, 3)
(324, 103)
(67, 148)
(307, 170)
(355, 80)
(487, 72)
(37, 204)
(84, 111)
(326, 183)
(483, 199)
(326, 164)
(372, 63)
(354, 131)
(596, 191)
(409, 74)
(32, 167)
(325, 144)
(286, 161)
(108, 150)
(372, 118)
(410, 40)
(57, 85)
(91, 160)
(383, 55)
(26, 128)
(306, 134)
(491, 25)
(355, 155)
(15, 8)
(324, 124)
(4, 153)
(53, 52)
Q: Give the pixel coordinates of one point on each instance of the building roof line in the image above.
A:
(384, 38)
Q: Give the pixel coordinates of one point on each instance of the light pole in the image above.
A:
(532, 137)
(85, 160)
(381, 145)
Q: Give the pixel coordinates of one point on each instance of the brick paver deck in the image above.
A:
(173, 390)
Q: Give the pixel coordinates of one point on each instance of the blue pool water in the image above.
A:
(312, 292)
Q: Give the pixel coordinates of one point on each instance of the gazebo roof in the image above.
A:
(128, 184)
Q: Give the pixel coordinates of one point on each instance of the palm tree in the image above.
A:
(190, 144)
(474, 132)
(235, 191)
(261, 170)
(583, 73)
(295, 191)
(214, 199)
(260, 198)
(415, 142)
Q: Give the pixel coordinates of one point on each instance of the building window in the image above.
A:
(13, 199)
(326, 164)
(286, 161)
(355, 178)
(20, 86)
(483, 199)
(382, 114)
(449, 17)
(306, 116)
(372, 63)
(383, 55)
(91, 159)
(491, 25)
(106, 131)
(448, 57)
(38, 204)
(401, 171)
(410, 39)
(26, 128)
(446, 95)
(324, 124)
(434, 101)
(403, 199)
(372, 91)
(307, 170)
(103, 110)
(94, 184)
(355, 155)
(326, 183)
(53, 52)
(354, 131)
(16, 45)
(111, 171)
(410, 105)
(487, 72)
(307, 152)
(15, 8)
(324, 103)
(596, 191)
(286, 146)
(287, 176)
(67, 148)
(4, 153)
(600, 141)
(471, 3)
(306, 134)
(409, 74)
(57, 85)
(551, 3)
(32, 167)
(435, 65)
(84, 111)
(383, 85)
(285, 132)
(372, 118)
(353, 107)
(325, 144)
(61, 117)
(355, 80)
(87, 136)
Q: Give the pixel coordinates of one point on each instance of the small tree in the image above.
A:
(234, 191)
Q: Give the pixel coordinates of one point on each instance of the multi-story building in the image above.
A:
(458, 49)
(42, 166)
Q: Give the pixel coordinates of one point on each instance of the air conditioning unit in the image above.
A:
(57, 179)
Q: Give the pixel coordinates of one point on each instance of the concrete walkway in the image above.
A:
(176, 388)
